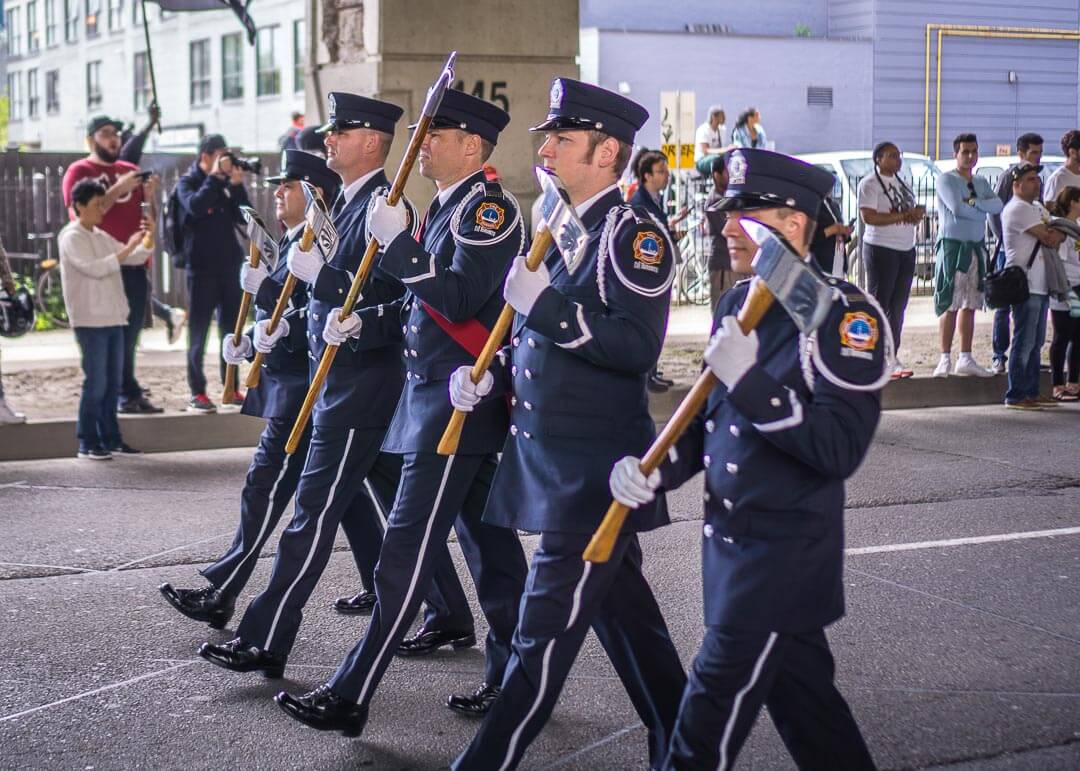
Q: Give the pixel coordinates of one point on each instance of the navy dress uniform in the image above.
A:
(453, 278)
(776, 450)
(577, 366)
(273, 475)
(348, 425)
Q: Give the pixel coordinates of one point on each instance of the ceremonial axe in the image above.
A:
(782, 275)
(561, 227)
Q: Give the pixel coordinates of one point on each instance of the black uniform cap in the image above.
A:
(469, 113)
(577, 105)
(349, 111)
(297, 164)
(760, 179)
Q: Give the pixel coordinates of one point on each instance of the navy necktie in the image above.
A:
(339, 204)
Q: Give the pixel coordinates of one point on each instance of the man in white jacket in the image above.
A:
(90, 261)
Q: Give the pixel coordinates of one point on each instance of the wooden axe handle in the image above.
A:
(238, 330)
(452, 435)
(275, 318)
(603, 541)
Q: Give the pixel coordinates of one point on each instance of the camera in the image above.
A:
(254, 165)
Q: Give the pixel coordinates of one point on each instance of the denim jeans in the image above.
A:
(1029, 334)
(1000, 334)
(103, 363)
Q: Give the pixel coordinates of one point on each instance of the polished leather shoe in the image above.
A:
(237, 656)
(659, 376)
(477, 703)
(655, 385)
(325, 710)
(357, 605)
(207, 604)
(426, 642)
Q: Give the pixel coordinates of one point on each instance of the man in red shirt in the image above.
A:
(125, 193)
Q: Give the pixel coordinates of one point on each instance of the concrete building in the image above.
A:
(70, 59)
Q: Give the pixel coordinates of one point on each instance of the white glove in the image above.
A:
(304, 265)
(337, 332)
(251, 278)
(464, 394)
(387, 221)
(523, 286)
(730, 353)
(266, 340)
(629, 486)
(238, 352)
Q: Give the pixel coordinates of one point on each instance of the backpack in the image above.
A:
(171, 231)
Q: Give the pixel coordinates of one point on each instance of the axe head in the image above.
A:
(313, 196)
(439, 87)
(560, 218)
(793, 282)
(260, 236)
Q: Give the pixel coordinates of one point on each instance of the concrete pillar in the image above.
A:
(392, 50)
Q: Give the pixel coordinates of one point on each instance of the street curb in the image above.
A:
(179, 432)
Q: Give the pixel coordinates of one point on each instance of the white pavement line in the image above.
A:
(169, 551)
(54, 567)
(20, 483)
(962, 541)
(565, 760)
(93, 692)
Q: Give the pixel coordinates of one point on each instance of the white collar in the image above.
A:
(584, 206)
(444, 194)
(291, 232)
(352, 189)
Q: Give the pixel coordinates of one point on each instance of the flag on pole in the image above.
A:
(239, 7)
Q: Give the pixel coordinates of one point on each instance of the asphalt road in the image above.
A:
(963, 654)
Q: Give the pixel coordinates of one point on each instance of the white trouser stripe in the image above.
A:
(412, 582)
(375, 502)
(754, 675)
(314, 541)
(545, 666)
(265, 524)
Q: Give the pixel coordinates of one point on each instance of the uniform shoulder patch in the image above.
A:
(641, 252)
(854, 345)
(485, 216)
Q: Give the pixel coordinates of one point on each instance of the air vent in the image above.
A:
(708, 29)
(819, 95)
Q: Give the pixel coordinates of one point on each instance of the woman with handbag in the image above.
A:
(1066, 340)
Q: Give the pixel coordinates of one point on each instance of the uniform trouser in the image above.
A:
(207, 293)
(338, 462)
(437, 493)
(136, 286)
(564, 596)
(735, 672)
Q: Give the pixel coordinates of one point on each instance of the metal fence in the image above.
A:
(32, 208)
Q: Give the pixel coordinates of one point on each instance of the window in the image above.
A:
(136, 13)
(14, 89)
(93, 17)
(200, 72)
(299, 49)
(116, 14)
(33, 101)
(71, 20)
(267, 74)
(33, 42)
(14, 32)
(143, 91)
(52, 92)
(232, 67)
(50, 22)
(93, 84)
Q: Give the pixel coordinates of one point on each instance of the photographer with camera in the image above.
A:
(210, 195)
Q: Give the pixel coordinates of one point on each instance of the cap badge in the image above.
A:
(737, 169)
(333, 105)
(858, 335)
(648, 248)
(556, 94)
(490, 217)
(284, 161)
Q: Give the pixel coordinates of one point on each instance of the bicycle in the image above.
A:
(43, 284)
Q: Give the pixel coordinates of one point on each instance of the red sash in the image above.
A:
(470, 335)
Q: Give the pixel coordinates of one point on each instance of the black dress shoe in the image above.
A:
(477, 703)
(237, 656)
(656, 386)
(357, 605)
(207, 604)
(139, 406)
(426, 642)
(659, 377)
(325, 710)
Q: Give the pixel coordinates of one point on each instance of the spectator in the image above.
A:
(288, 140)
(122, 207)
(1068, 174)
(311, 141)
(709, 139)
(748, 131)
(721, 276)
(90, 263)
(133, 142)
(1066, 340)
(887, 207)
(1029, 149)
(8, 415)
(830, 236)
(1024, 224)
(211, 194)
(963, 201)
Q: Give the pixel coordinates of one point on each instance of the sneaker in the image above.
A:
(966, 366)
(124, 449)
(1045, 401)
(94, 452)
(943, 366)
(175, 324)
(139, 406)
(9, 416)
(200, 403)
(1024, 404)
(997, 366)
(238, 397)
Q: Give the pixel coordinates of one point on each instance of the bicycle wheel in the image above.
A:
(50, 298)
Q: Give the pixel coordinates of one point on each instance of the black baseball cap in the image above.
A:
(211, 143)
(101, 121)
(1020, 169)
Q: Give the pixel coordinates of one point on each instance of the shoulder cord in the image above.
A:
(613, 216)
